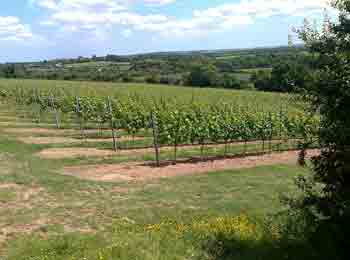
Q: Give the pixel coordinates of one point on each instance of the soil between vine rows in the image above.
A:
(71, 152)
(50, 131)
(63, 140)
(143, 171)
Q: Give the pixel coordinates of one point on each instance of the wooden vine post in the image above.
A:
(270, 132)
(78, 111)
(52, 101)
(37, 101)
(280, 137)
(110, 111)
(154, 125)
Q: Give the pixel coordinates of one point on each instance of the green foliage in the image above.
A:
(262, 80)
(284, 77)
(327, 90)
(202, 76)
(8, 71)
(154, 78)
(228, 81)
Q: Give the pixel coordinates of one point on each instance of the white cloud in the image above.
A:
(48, 4)
(93, 5)
(87, 4)
(126, 33)
(159, 2)
(11, 29)
(197, 25)
(95, 15)
(265, 8)
(48, 23)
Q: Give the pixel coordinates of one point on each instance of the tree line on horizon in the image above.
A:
(261, 69)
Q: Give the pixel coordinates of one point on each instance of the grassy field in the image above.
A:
(55, 216)
(46, 215)
(92, 64)
(256, 70)
(99, 65)
(231, 57)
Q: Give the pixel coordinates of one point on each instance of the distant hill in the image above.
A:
(228, 68)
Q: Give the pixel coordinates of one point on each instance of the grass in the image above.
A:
(48, 216)
(89, 210)
(6, 195)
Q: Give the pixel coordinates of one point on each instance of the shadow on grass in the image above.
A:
(223, 248)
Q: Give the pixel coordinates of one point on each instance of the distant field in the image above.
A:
(263, 100)
(90, 64)
(230, 57)
(256, 70)
(242, 76)
(97, 64)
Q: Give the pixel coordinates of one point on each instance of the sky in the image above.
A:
(47, 29)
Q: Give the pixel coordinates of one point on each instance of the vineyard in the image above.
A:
(84, 158)
(168, 122)
(117, 141)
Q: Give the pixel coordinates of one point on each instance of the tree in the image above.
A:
(285, 76)
(126, 77)
(262, 80)
(154, 78)
(227, 80)
(9, 71)
(328, 92)
(202, 76)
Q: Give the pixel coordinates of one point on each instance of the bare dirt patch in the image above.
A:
(23, 124)
(67, 140)
(8, 231)
(24, 195)
(73, 152)
(142, 171)
(8, 118)
(25, 201)
(120, 190)
(64, 153)
(9, 186)
(49, 131)
(5, 163)
(37, 131)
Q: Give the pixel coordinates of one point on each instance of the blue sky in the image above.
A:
(46, 29)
